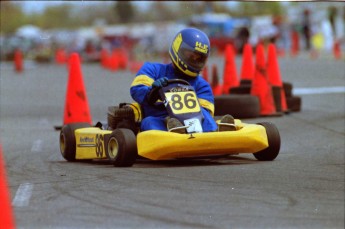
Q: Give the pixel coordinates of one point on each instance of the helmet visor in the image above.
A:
(192, 57)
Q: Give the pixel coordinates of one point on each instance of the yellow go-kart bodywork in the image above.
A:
(159, 145)
(90, 143)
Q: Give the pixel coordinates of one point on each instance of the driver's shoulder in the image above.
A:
(155, 65)
(200, 82)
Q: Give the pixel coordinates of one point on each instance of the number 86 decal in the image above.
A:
(99, 145)
(183, 102)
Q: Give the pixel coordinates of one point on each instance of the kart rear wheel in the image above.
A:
(67, 140)
(122, 148)
(273, 136)
(241, 90)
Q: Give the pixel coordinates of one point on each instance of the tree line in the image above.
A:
(69, 16)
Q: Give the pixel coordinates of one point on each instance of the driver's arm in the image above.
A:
(142, 83)
(205, 96)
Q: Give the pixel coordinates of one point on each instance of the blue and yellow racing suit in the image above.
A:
(154, 115)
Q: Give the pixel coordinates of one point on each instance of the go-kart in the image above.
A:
(122, 142)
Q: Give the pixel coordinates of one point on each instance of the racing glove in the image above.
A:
(161, 82)
(153, 95)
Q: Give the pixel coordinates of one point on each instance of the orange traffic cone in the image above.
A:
(272, 66)
(274, 77)
(337, 50)
(114, 60)
(104, 58)
(205, 74)
(6, 218)
(294, 43)
(60, 56)
(247, 69)
(260, 86)
(216, 87)
(18, 61)
(76, 106)
(281, 52)
(230, 78)
(123, 59)
(134, 66)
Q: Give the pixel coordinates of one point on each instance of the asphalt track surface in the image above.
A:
(302, 188)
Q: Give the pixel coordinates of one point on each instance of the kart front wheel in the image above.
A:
(67, 140)
(273, 137)
(122, 147)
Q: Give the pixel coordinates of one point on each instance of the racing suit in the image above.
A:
(154, 115)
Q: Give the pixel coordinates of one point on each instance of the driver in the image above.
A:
(189, 51)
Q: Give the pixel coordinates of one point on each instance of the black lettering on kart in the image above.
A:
(177, 104)
(99, 145)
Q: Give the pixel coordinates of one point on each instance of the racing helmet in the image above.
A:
(189, 51)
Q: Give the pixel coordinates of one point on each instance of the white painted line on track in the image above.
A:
(37, 146)
(23, 195)
(318, 90)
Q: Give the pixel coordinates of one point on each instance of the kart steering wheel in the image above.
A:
(153, 95)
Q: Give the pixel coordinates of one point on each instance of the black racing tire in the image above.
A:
(112, 116)
(276, 93)
(121, 117)
(121, 148)
(294, 103)
(245, 82)
(273, 136)
(67, 140)
(287, 89)
(241, 90)
(239, 106)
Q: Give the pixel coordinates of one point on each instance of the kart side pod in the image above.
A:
(79, 141)
(262, 140)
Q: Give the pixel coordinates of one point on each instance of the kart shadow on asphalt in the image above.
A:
(183, 162)
(189, 162)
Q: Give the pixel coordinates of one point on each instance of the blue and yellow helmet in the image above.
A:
(189, 51)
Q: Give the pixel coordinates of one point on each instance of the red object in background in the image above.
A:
(61, 56)
(205, 74)
(220, 43)
(134, 66)
(6, 216)
(216, 87)
(294, 43)
(76, 106)
(104, 58)
(230, 78)
(123, 59)
(18, 61)
(247, 68)
(117, 61)
(337, 50)
(260, 85)
(113, 61)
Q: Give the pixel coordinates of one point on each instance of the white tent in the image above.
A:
(29, 31)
